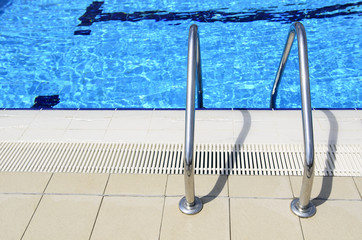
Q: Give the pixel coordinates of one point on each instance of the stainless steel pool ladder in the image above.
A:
(302, 206)
(191, 204)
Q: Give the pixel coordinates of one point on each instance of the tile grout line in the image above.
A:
(28, 127)
(149, 125)
(37, 206)
(107, 128)
(163, 209)
(70, 122)
(355, 184)
(291, 186)
(100, 206)
(109, 124)
(301, 227)
(230, 228)
(229, 204)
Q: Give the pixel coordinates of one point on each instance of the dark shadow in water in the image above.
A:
(327, 182)
(4, 4)
(94, 13)
(229, 162)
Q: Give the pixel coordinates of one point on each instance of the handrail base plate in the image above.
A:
(190, 210)
(305, 213)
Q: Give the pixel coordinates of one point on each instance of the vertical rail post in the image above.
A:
(301, 206)
(190, 204)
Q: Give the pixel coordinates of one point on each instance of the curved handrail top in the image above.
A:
(298, 29)
(195, 62)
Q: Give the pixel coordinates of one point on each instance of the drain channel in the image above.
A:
(141, 158)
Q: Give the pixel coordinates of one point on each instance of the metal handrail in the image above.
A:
(302, 206)
(191, 204)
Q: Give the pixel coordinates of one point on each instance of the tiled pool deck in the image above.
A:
(222, 126)
(121, 206)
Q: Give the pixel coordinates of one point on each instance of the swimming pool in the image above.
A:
(133, 54)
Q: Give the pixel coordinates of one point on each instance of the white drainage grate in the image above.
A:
(248, 159)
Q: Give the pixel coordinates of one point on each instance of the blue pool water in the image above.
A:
(133, 54)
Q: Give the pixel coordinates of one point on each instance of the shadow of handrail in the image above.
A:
(327, 182)
(228, 164)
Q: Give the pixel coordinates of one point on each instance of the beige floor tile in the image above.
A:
(129, 218)
(33, 134)
(218, 115)
(214, 124)
(352, 136)
(289, 114)
(205, 185)
(254, 125)
(64, 217)
(245, 115)
(260, 135)
(214, 136)
(53, 119)
(19, 182)
(18, 119)
(169, 120)
(55, 113)
(334, 220)
(358, 181)
(91, 123)
(11, 134)
(328, 187)
(211, 223)
(19, 113)
(84, 135)
(263, 219)
(131, 120)
(166, 136)
(15, 214)
(76, 183)
(335, 114)
(241, 131)
(136, 184)
(125, 136)
(260, 186)
(216, 120)
(94, 114)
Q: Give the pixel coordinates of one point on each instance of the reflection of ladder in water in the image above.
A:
(302, 207)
